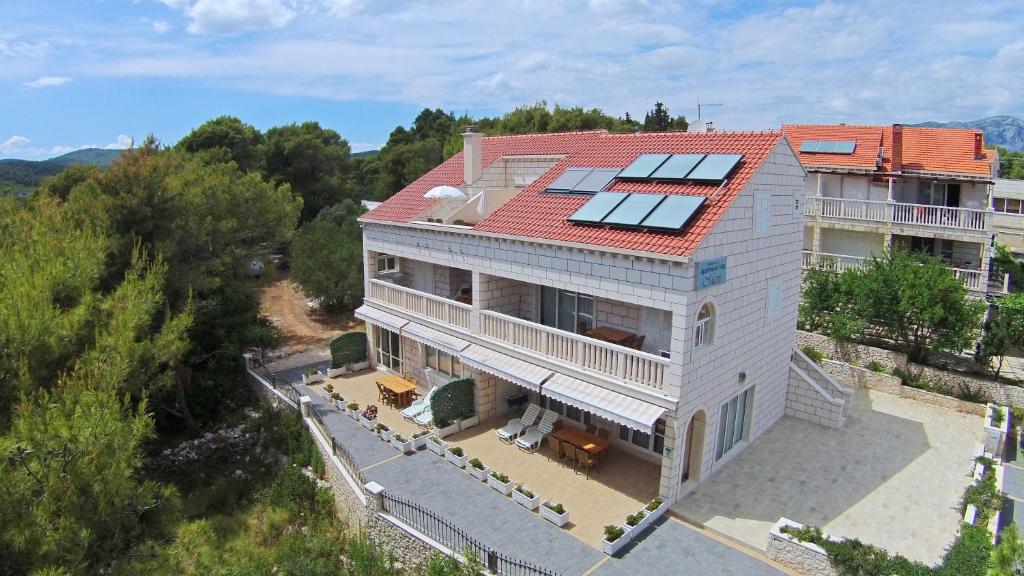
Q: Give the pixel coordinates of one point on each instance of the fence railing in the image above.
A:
(973, 279)
(428, 305)
(337, 449)
(898, 212)
(456, 539)
(283, 386)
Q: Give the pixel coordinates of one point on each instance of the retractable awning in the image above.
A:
(435, 338)
(514, 370)
(380, 318)
(605, 403)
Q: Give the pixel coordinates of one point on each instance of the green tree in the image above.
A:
(657, 119)
(327, 255)
(1011, 163)
(825, 306)
(1005, 261)
(240, 142)
(1004, 332)
(313, 160)
(1008, 556)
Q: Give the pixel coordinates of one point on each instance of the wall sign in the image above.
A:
(711, 272)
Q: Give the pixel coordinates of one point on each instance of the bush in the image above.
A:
(969, 553)
(613, 533)
(349, 348)
(557, 508)
(813, 353)
(975, 394)
(653, 505)
(399, 438)
(876, 366)
(476, 463)
(998, 417)
(456, 451)
(500, 477)
(522, 490)
(984, 496)
(368, 559)
(453, 401)
(634, 519)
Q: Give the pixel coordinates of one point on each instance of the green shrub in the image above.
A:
(456, 451)
(812, 353)
(500, 477)
(998, 417)
(441, 565)
(985, 497)
(969, 553)
(557, 507)
(653, 505)
(876, 366)
(353, 406)
(613, 533)
(453, 401)
(524, 491)
(970, 393)
(399, 438)
(349, 348)
(476, 463)
(634, 519)
(368, 559)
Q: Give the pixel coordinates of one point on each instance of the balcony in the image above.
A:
(421, 303)
(871, 211)
(974, 280)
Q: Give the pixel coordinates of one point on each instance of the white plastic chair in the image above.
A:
(517, 426)
(418, 406)
(530, 441)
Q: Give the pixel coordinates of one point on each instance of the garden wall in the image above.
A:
(864, 378)
(813, 404)
(858, 354)
(804, 557)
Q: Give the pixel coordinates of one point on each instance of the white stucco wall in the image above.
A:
(851, 243)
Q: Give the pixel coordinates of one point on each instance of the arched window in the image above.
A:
(704, 330)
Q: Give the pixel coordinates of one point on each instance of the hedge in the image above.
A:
(452, 401)
(349, 348)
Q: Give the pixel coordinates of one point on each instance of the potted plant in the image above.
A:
(634, 519)
(456, 456)
(436, 445)
(383, 431)
(478, 469)
(653, 505)
(525, 497)
(353, 410)
(419, 439)
(339, 401)
(312, 376)
(500, 482)
(614, 539)
(997, 427)
(402, 444)
(332, 372)
(466, 423)
(447, 430)
(655, 509)
(554, 512)
(367, 417)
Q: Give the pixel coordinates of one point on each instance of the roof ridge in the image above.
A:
(600, 131)
(879, 126)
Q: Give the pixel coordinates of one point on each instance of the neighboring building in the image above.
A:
(488, 277)
(1008, 217)
(871, 188)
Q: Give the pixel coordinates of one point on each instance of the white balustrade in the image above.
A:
(972, 279)
(428, 305)
(899, 213)
(632, 365)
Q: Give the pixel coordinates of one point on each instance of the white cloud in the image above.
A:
(233, 16)
(48, 82)
(160, 26)
(13, 144)
(364, 146)
(121, 142)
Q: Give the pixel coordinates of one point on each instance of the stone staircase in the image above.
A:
(813, 394)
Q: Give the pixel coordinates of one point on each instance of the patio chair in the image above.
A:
(418, 406)
(425, 417)
(534, 435)
(517, 426)
(555, 446)
(585, 460)
(569, 453)
(382, 393)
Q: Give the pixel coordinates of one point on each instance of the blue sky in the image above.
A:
(77, 73)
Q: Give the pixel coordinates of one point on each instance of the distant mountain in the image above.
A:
(365, 153)
(95, 156)
(19, 177)
(1006, 131)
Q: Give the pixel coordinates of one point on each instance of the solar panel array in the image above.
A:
(582, 180)
(829, 146)
(680, 167)
(633, 210)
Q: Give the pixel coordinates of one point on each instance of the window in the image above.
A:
(386, 263)
(733, 422)
(703, 331)
(659, 436)
(1006, 205)
(389, 348)
(442, 362)
(643, 439)
(566, 310)
(999, 204)
(798, 207)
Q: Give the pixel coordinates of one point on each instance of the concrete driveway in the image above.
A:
(893, 477)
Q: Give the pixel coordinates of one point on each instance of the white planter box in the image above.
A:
(479, 474)
(651, 516)
(437, 448)
(420, 441)
(610, 548)
(403, 447)
(528, 503)
(332, 372)
(552, 516)
(353, 414)
(385, 435)
(469, 422)
(312, 378)
(459, 461)
(359, 366)
(341, 404)
(368, 424)
(995, 436)
(504, 488)
(326, 393)
(448, 430)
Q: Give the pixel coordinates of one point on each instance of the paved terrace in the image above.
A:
(498, 522)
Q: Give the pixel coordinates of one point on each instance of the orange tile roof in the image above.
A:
(868, 139)
(535, 214)
(944, 150)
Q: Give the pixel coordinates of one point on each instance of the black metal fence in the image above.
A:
(337, 449)
(279, 384)
(442, 531)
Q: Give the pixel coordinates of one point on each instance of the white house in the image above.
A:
(644, 284)
(871, 188)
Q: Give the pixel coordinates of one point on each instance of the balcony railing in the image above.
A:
(898, 213)
(428, 305)
(631, 365)
(973, 279)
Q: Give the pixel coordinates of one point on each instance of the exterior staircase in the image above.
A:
(814, 395)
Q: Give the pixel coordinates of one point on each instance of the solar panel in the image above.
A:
(674, 212)
(677, 167)
(596, 180)
(568, 179)
(597, 207)
(714, 167)
(845, 147)
(643, 166)
(633, 210)
(826, 147)
(829, 146)
(809, 146)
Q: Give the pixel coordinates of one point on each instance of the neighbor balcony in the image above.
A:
(974, 280)
(902, 214)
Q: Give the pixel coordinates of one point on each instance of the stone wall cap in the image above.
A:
(373, 488)
(304, 399)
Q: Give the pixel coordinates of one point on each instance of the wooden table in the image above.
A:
(583, 440)
(613, 335)
(401, 387)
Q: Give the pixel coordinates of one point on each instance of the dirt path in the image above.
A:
(301, 327)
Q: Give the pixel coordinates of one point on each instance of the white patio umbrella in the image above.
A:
(448, 192)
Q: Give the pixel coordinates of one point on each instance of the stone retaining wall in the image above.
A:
(864, 378)
(851, 353)
(804, 557)
(805, 402)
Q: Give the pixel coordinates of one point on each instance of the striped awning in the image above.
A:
(380, 318)
(605, 403)
(435, 338)
(503, 366)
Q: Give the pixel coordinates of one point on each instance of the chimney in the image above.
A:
(897, 147)
(979, 146)
(472, 154)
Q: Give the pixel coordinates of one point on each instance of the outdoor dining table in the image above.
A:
(402, 388)
(583, 440)
(613, 335)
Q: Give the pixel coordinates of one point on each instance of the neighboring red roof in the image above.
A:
(943, 150)
(535, 214)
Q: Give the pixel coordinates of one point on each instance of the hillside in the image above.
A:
(365, 153)
(19, 177)
(1006, 131)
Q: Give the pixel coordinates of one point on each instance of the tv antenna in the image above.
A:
(701, 106)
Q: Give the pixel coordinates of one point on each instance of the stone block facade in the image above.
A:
(803, 557)
(806, 402)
